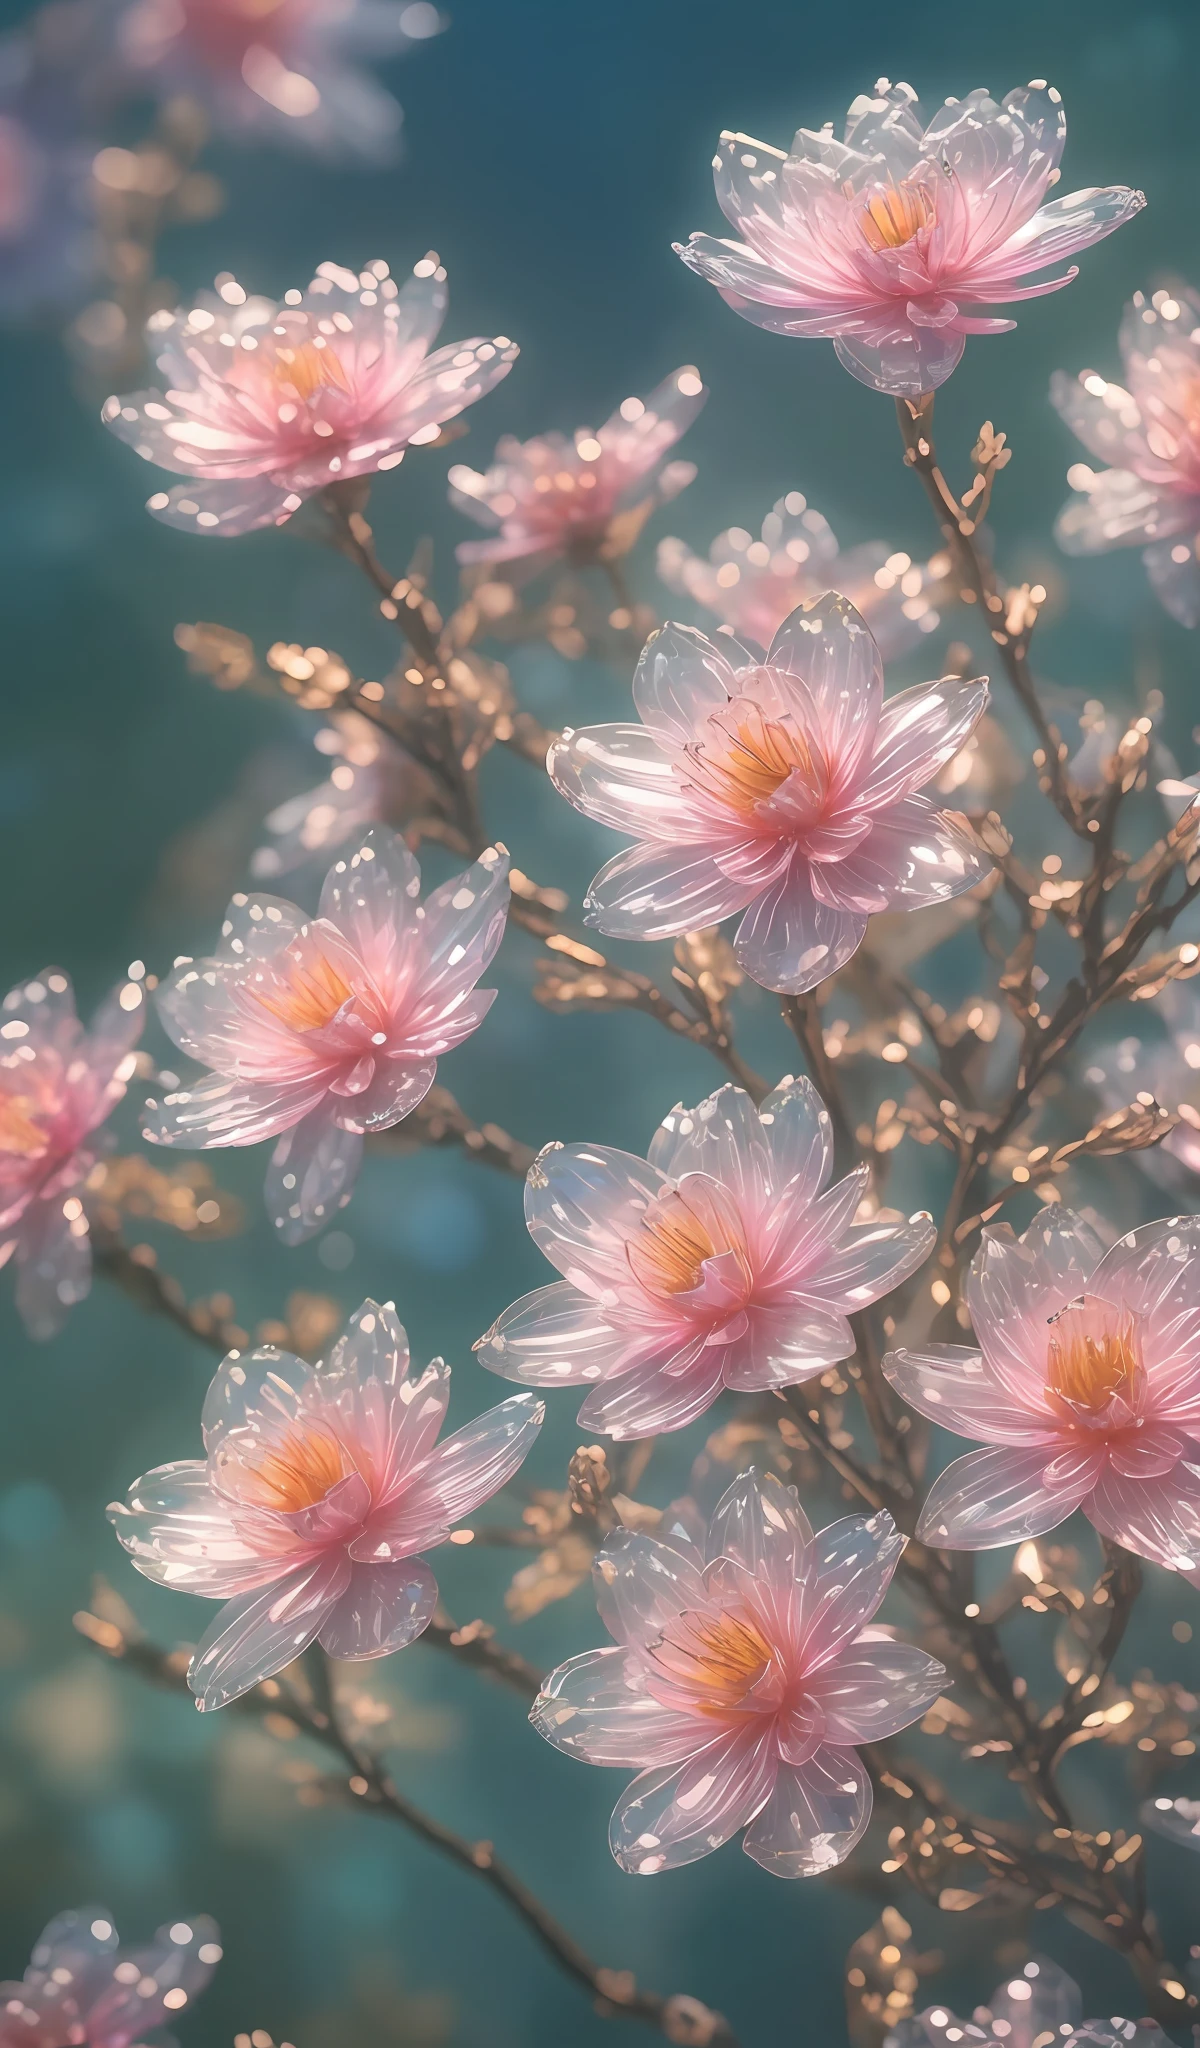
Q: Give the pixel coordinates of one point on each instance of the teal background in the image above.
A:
(553, 153)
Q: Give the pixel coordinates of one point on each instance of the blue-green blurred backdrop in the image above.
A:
(553, 152)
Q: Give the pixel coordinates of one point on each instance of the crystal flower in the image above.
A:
(587, 497)
(889, 241)
(1148, 431)
(372, 782)
(782, 786)
(752, 585)
(721, 1261)
(268, 404)
(743, 1675)
(283, 72)
(1085, 1386)
(1040, 2003)
(318, 1030)
(1169, 1070)
(82, 1988)
(58, 1085)
(320, 1487)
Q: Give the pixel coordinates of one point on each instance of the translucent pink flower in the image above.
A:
(752, 585)
(322, 1029)
(784, 787)
(372, 782)
(584, 497)
(743, 1675)
(721, 1261)
(83, 1990)
(891, 240)
(1148, 433)
(321, 1486)
(1085, 1386)
(1037, 2003)
(268, 404)
(58, 1085)
(286, 72)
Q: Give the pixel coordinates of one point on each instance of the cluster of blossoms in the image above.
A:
(83, 1990)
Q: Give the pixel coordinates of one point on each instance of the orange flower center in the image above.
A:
(20, 1135)
(718, 1657)
(309, 367)
(296, 1471)
(749, 756)
(675, 1239)
(893, 217)
(1094, 1357)
(313, 992)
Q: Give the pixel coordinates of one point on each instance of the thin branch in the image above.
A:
(802, 1014)
(158, 1294)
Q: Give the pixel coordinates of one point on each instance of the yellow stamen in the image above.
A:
(719, 1656)
(310, 368)
(314, 993)
(893, 217)
(20, 1136)
(296, 1472)
(758, 754)
(1094, 1356)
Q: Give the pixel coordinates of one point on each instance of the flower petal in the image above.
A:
(219, 1110)
(760, 1524)
(619, 775)
(556, 1336)
(789, 942)
(255, 1635)
(904, 361)
(312, 1174)
(868, 1260)
(593, 1707)
(913, 855)
(682, 676)
(816, 1814)
(722, 1137)
(227, 507)
(953, 1386)
(997, 1496)
(384, 1608)
(855, 1560)
(459, 1475)
(656, 892)
(371, 892)
(1176, 581)
(782, 1347)
(919, 731)
(1158, 1518)
(179, 1961)
(674, 1815)
(830, 647)
(654, 1398)
(799, 1133)
(53, 1266)
(641, 1584)
(181, 1534)
(874, 1689)
(582, 1202)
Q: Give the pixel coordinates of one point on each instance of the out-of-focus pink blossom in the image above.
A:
(890, 241)
(320, 1487)
(58, 1085)
(372, 782)
(322, 1029)
(721, 1261)
(289, 71)
(267, 404)
(743, 1675)
(752, 585)
(585, 498)
(83, 1990)
(784, 787)
(1148, 433)
(1038, 2002)
(1085, 1386)
(1169, 1068)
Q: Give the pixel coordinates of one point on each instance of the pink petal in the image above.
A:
(619, 775)
(458, 1476)
(225, 507)
(997, 1496)
(919, 731)
(954, 1386)
(672, 1816)
(875, 1689)
(868, 1260)
(1176, 584)
(181, 1534)
(800, 1136)
(722, 1137)
(217, 1110)
(595, 1708)
(854, 1563)
(789, 942)
(802, 1234)
(312, 1173)
(680, 678)
(1062, 228)
(582, 1202)
(782, 1347)
(817, 1812)
(1158, 1518)
(913, 855)
(53, 1266)
(828, 645)
(371, 894)
(556, 1336)
(255, 1635)
(462, 924)
(903, 361)
(760, 1524)
(656, 892)
(653, 1398)
(642, 1583)
(1014, 1285)
(398, 1086)
(1109, 423)
(130, 2007)
(384, 1608)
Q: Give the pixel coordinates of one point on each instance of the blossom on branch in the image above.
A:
(1038, 2003)
(1085, 1385)
(319, 1030)
(742, 1676)
(586, 498)
(83, 1988)
(265, 405)
(58, 1084)
(1148, 433)
(752, 585)
(783, 786)
(320, 1486)
(284, 72)
(721, 1261)
(890, 241)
